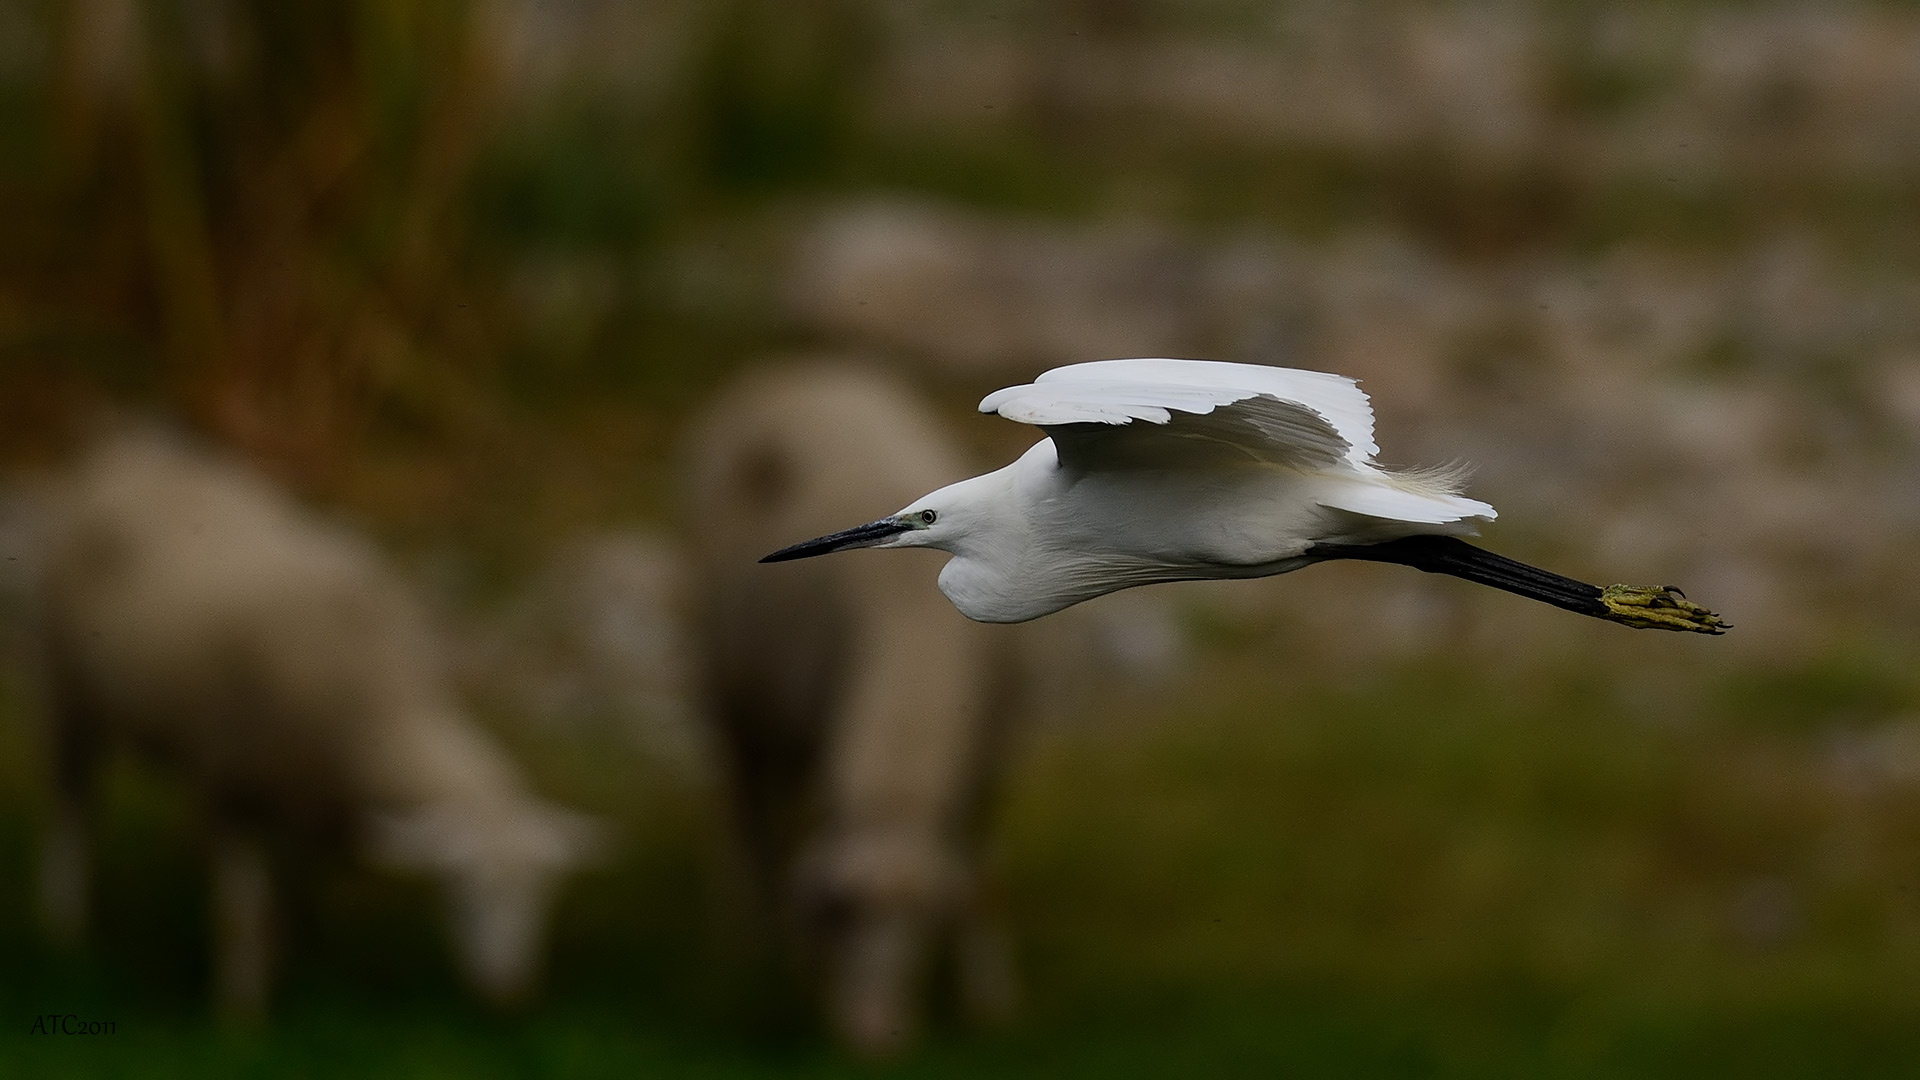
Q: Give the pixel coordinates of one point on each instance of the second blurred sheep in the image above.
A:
(860, 718)
(192, 611)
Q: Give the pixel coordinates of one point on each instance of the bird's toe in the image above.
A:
(1658, 607)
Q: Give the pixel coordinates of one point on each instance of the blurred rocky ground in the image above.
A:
(1732, 403)
(1749, 425)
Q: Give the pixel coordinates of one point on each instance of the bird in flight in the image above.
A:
(1179, 470)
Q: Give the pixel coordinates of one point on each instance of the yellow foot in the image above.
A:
(1658, 607)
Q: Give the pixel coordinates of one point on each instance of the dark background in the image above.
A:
(459, 272)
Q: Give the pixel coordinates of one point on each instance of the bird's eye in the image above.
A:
(928, 517)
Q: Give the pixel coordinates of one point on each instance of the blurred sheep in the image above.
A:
(283, 671)
(860, 719)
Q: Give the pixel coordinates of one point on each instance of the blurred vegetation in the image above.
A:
(309, 230)
(346, 239)
(1431, 872)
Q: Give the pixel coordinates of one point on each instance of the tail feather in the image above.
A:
(1421, 502)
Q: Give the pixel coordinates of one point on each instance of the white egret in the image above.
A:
(1177, 470)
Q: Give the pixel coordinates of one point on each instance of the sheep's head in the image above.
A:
(500, 867)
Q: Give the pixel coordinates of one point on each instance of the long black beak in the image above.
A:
(859, 536)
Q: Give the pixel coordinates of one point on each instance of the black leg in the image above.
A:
(1643, 607)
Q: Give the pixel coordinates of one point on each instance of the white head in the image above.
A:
(1003, 531)
(961, 518)
(499, 867)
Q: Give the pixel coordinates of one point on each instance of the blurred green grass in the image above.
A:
(1421, 871)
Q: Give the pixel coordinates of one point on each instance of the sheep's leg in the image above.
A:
(988, 988)
(871, 998)
(243, 930)
(64, 869)
(65, 861)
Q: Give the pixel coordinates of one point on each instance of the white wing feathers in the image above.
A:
(1303, 419)
(1335, 397)
(1085, 421)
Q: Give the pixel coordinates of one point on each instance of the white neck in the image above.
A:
(991, 576)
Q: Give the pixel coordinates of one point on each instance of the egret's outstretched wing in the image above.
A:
(1183, 413)
(1094, 427)
(1190, 410)
(1194, 386)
